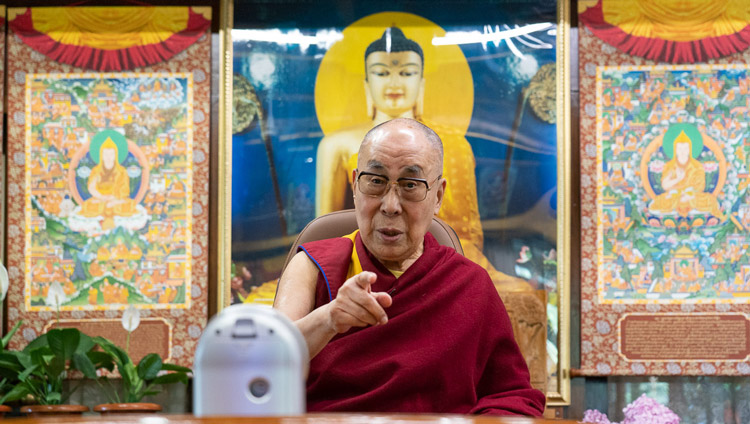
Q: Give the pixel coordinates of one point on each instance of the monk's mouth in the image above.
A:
(394, 96)
(390, 234)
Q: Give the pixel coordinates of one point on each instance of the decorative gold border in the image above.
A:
(224, 260)
(560, 396)
(564, 198)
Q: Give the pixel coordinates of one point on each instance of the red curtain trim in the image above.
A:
(661, 50)
(109, 60)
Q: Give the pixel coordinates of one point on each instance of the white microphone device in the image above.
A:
(250, 361)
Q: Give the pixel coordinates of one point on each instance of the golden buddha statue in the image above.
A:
(394, 88)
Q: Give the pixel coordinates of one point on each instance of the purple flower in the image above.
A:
(595, 417)
(648, 410)
(643, 410)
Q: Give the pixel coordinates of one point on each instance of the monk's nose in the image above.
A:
(390, 204)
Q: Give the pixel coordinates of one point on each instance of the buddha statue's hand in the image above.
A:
(356, 305)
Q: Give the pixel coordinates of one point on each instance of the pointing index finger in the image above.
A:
(365, 279)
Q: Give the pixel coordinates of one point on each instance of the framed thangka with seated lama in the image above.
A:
(108, 175)
(665, 282)
(489, 77)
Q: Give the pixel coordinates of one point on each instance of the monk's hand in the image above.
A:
(356, 305)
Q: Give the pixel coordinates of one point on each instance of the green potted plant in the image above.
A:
(138, 380)
(8, 377)
(44, 364)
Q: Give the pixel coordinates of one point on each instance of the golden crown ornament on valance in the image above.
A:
(674, 31)
(109, 38)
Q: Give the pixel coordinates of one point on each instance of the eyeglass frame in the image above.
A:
(390, 183)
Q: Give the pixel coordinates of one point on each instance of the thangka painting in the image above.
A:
(108, 174)
(303, 101)
(106, 210)
(665, 167)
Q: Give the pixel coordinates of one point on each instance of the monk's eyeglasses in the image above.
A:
(409, 189)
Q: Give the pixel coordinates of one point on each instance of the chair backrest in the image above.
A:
(341, 223)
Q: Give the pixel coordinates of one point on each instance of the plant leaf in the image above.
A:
(19, 391)
(27, 372)
(149, 367)
(83, 364)
(38, 342)
(53, 398)
(6, 338)
(175, 377)
(63, 342)
(120, 357)
(85, 344)
(101, 360)
(173, 367)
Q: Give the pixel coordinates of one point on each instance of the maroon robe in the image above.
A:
(448, 346)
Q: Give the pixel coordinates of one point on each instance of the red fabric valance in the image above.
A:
(663, 50)
(108, 59)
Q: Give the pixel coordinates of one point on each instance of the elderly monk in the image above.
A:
(395, 322)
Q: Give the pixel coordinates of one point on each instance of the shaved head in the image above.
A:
(431, 136)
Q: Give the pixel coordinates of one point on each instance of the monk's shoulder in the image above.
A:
(332, 248)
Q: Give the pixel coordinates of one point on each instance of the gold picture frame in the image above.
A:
(557, 393)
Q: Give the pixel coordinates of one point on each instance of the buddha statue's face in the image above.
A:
(394, 81)
(108, 158)
(682, 152)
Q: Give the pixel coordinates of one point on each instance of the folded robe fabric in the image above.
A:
(448, 346)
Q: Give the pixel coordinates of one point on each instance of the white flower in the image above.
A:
(602, 327)
(55, 295)
(3, 282)
(131, 318)
(603, 368)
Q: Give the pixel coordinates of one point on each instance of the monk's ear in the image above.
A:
(354, 181)
(441, 186)
(369, 104)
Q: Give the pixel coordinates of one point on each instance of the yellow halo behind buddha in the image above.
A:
(449, 88)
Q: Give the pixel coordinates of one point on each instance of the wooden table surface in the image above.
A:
(305, 419)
